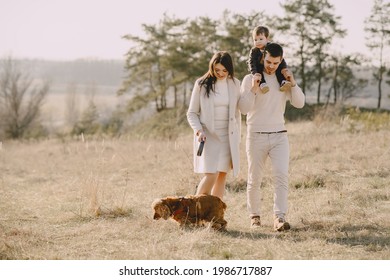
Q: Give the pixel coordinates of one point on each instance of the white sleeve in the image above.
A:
(296, 97)
(193, 112)
(247, 99)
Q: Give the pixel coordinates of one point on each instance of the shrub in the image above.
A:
(357, 119)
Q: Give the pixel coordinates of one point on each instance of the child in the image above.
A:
(255, 62)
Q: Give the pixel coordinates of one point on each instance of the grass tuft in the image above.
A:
(236, 185)
(310, 182)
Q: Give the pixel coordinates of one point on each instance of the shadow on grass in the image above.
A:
(371, 236)
(253, 234)
(371, 243)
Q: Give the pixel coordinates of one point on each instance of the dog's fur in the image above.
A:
(192, 210)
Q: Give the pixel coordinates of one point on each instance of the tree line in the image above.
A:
(175, 51)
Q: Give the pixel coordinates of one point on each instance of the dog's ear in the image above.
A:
(173, 202)
(155, 202)
(155, 206)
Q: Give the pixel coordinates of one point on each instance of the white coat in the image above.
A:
(200, 115)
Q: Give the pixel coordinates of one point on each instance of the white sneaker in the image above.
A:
(280, 224)
(255, 222)
(264, 88)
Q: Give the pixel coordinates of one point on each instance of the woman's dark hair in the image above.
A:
(208, 80)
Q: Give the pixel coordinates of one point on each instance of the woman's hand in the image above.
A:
(201, 135)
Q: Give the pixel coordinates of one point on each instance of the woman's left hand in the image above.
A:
(201, 136)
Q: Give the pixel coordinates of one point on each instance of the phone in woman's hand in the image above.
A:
(200, 149)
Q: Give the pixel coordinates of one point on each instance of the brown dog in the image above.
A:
(192, 210)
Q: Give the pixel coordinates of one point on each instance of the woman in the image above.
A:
(214, 116)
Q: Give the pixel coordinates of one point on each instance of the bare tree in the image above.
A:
(20, 100)
(344, 81)
(312, 25)
(377, 25)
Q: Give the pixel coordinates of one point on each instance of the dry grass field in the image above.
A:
(90, 199)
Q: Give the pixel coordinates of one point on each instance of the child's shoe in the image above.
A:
(285, 86)
(264, 88)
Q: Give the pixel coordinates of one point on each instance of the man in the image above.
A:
(267, 135)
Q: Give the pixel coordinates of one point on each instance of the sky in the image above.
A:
(79, 29)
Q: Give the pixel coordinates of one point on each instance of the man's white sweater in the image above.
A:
(265, 112)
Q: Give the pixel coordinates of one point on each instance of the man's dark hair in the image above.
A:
(274, 50)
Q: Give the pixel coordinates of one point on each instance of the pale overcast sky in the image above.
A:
(72, 29)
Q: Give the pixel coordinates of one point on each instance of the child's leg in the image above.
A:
(279, 75)
(263, 84)
(261, 70)
(282, 78)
